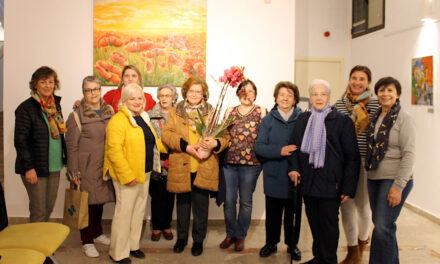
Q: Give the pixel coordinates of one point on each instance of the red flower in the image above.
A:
(233, 76)
(194, 66)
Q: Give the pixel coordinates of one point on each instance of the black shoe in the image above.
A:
(296, 255)
(197, 249)
(267, 250)
(312, 261)
(180, 245)
(123, 261)
(137, 254)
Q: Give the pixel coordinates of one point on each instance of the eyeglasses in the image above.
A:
(165, 96)
(197, 92)
(94, 90)
(288, 95)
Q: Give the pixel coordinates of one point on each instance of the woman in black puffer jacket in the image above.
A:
(39, 141)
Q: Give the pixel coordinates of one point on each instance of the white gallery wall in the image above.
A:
(388, 52)
(313, 18)
(59, 33)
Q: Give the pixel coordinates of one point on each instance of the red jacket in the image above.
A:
(112, 98)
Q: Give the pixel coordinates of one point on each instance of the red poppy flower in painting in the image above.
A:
(174, 58)
(108, 71)
(119, 58)
(194, 66)
(149, 66)
(109, 39)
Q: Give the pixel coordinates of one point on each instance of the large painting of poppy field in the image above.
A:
(165, 39)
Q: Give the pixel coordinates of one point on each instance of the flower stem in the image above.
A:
(213, 120)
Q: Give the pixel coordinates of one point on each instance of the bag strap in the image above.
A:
(333, 150)
(78, 123)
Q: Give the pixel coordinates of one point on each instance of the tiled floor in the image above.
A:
(419, 242)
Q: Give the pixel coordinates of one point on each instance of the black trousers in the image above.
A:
(94, 229)
(274, 214)
(198, 199)
(323, 216)
(162, 204)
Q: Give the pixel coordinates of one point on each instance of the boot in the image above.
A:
(362, 246)
(352, 255)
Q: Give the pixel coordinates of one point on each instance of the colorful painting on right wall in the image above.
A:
(422, 81)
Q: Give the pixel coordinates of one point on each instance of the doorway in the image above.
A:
(329, 69)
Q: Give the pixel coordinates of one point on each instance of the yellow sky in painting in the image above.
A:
(151, 16)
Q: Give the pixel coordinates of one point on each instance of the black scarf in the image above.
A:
(376, 148)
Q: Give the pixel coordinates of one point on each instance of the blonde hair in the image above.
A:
(128, 91)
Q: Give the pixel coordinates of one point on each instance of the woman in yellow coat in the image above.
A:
(189, 176)
(131, 153)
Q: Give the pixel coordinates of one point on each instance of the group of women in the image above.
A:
(358, 154)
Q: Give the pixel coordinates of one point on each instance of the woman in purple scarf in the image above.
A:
(326, 166)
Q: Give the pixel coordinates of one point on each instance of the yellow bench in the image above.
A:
(20, 255)
(42, 237)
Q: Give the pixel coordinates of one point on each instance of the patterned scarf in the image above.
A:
(376, 148)
(315, 136)
(359, 113)
(191, 112)
(56, 122)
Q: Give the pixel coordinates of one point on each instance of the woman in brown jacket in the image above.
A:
(85, 141)
(189, 176)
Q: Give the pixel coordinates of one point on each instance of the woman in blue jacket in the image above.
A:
(273, 149)
(327, 165)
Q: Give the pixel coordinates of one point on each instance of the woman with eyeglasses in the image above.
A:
(85, 141)
(162, 201)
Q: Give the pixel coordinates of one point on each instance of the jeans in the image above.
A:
(239, 179)
(384, 242)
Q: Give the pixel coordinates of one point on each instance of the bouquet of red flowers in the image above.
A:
(232, 77)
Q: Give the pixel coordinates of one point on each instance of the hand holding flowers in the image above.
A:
(210, 130)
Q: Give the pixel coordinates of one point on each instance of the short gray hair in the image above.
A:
(173, 90)
(91, 78)
(128, 91)
(316, 82)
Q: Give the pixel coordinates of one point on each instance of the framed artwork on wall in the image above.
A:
(422, 81)
(164, 39)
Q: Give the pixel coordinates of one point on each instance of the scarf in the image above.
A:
(315, 137)
(376, 148)
(359, 113)
(191, 112)
(56, 122)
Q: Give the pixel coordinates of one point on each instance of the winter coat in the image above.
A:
(342, 163)
(124, 158)
(156, 116)
(112, 98)
(31, 138)
(179, 171)
(86, 151)
(273, 135)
